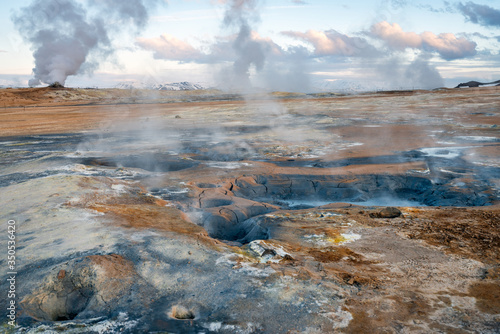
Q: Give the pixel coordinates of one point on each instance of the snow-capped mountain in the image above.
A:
(156, 86)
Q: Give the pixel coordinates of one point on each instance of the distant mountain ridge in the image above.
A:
(477, 84)
(185, 85)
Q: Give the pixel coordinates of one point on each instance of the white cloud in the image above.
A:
(333, 43)
(447, 45)
(169, 47)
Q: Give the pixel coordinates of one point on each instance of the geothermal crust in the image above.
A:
(203, 212)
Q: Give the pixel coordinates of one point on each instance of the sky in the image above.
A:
(285, 45)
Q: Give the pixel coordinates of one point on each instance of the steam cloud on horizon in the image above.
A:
(68, 38)
(418, 73)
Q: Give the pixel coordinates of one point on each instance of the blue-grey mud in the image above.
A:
(206, 212)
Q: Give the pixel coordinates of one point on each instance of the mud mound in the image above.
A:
(81, 288)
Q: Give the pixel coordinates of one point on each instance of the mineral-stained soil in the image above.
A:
(204, 212)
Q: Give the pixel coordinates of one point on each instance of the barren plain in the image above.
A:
(204, 212)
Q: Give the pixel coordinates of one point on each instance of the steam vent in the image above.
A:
(206, 212)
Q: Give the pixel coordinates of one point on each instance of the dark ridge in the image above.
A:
(477, 84)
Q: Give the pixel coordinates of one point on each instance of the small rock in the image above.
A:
(287, 257)
(256, 248)
(61, 274)
(387, 212)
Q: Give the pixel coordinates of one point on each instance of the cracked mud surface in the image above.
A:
(372, 213)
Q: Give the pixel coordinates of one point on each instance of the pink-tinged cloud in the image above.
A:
(395, 37)
(267, 44)
(169, 47)
(333, 43)
(447, 45)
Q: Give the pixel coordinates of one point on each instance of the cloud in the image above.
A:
(480, 14)
(399, 3)
(447, 45)
(169, 47)
(333, 43)
(477, 35)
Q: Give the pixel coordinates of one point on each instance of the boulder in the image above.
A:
(387, 212)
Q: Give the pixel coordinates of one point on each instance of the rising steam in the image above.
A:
(249, 51)
(394, 72)
(69, 38)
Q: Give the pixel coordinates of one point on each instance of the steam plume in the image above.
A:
(394, 73)
(249, 51)
(67, 40)
(421, 74)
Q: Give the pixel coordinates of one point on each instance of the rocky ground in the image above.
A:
(204, 212)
